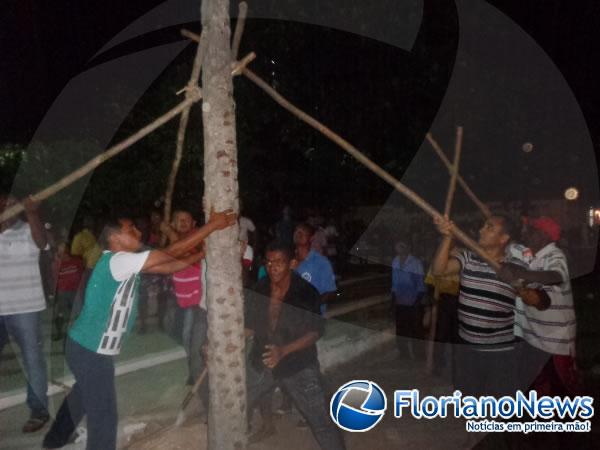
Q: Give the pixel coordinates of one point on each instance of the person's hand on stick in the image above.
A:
(444, 225)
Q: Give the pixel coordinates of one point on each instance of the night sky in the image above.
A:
(44, 44)
(378, 96)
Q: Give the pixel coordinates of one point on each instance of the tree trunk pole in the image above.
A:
(226, 362)
(447, 209)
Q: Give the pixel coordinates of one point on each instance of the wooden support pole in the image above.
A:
(239, 29)
(447, 210)
(454, 173)
(345, 145)
(438, 150)
(183, 122)
(195, 96)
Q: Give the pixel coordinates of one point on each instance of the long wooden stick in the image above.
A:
(447, 209)
(239, 29)
(183, 122)
(454, 173)
(373, 167)
(458, 233)
(195, 96)
(438, 150)
(116, 149)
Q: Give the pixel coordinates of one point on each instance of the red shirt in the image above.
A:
(188, 286)
(69, 274)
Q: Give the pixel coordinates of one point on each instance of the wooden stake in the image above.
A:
(345, 145)
(454, 173)
(239, 29)
(447, 209)
(183, 122)
(195, 96)
(438, 150)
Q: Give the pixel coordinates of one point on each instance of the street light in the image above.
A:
(571, 193)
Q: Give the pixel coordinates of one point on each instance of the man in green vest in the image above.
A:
(109, 313)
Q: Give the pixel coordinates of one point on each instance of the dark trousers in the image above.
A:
(306, 391)
(409, 328)
(481, 371)
(94, 395)
(446, 332)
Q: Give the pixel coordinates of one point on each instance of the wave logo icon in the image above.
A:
(358, 406)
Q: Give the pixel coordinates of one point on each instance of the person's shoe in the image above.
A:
(36, 422)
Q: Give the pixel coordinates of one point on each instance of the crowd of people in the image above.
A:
(516, 319)
(102, 277)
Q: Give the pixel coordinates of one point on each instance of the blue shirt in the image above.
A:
(317, 270)
(407, 280)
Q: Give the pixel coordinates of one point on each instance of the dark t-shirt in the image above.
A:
(299, 315)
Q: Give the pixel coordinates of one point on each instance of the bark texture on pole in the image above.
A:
(226, 365)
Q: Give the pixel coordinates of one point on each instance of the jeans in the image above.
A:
(94, 395)
(306, 391)
(25, 329)
(195, 327)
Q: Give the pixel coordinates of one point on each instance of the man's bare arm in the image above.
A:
(537, 298)
(175, 265)
(217, 221)
(38, 232)
(443, 264)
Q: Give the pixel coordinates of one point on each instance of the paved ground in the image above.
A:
(150, 398)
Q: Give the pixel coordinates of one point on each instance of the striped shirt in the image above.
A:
(552, 330)
(20, 280)
(485, 304)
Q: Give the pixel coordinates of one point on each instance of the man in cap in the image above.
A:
(548, 352)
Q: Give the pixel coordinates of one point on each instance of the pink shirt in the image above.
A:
(188, 286)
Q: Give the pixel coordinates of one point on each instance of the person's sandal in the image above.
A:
(35, 423)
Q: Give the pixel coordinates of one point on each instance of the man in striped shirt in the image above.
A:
(547, 356)
(485, 364)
